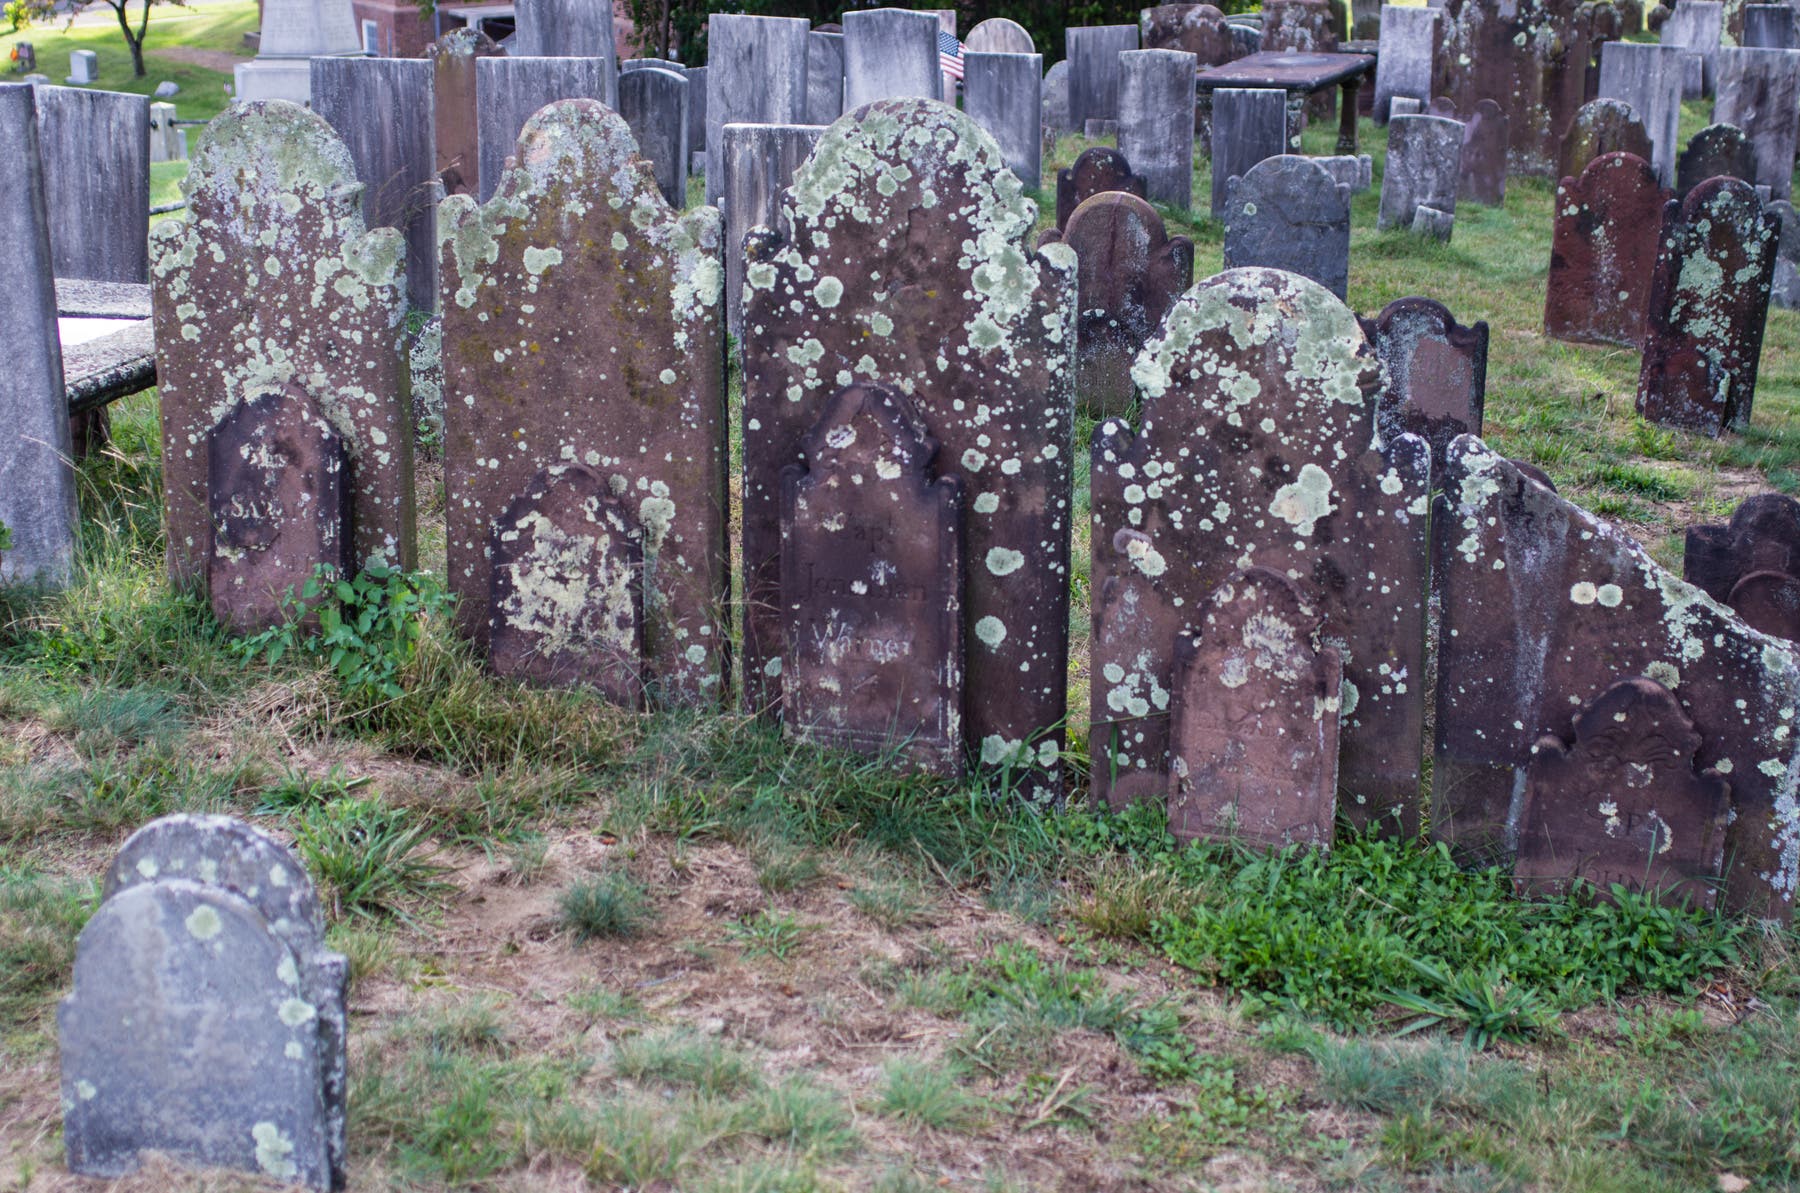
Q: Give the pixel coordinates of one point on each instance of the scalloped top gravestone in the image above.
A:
(1254, 450)
(271, 280)
(454, 109)
(1601, 127)
(1759, 91)
(1716, 151)
(1096, 171)
(1529, 57)
(1603, 251)
(1424, 163)
(1434, 373)
(1481, 174)
(1289, 213)
(583, 326)
(905, 263)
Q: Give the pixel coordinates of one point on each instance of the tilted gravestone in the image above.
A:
(756, 74)
(1529, 57)
(1424, 164)
(512, 90)
(569, 29)
(1752, 563)
(1544, 607)
(1481, 175)
(1603, 251)
(757, 162)
(1197, 29)
(1695, 27)
(455, 108)
(1255, 449)
(1434, 373)
(1716, 151)
(1253, 721)
(890, 53)
(1093, 54)
(903, 262)
(269, 281)
(1156, 122)
(1768, 27)
(209, 943)
(1131, 272)
(824, 77)
(583, 328)
(1248, 125)
(95, 148)
(1601, 127)
(872, 572)
(654, 105)
(1056, 100)
(1759, 91)
(1095, 172)
(1003, 93)
(1709, 298)
(1622, 804)
(1648, 79)
(1407, 62)
(1785, 292)
(1289, 213)
(998, 35)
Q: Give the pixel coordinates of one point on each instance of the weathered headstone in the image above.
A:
(998, 35)
(1424, 163)
(1356, 172)
(1253, 721)
(1530, 57)
(1289, 213)
(1300, 26)
(654, 104)
(84, 68)
(1601, 127)
(1759, 91)
(1095, 172)
(757, 162)
(1752, 563)
(1481, 177)
(1434, 373)
(512, 89)
(1255, 449)
(1648, 78)
(1093, 52)
(1785, 292)
(95, 148)
(890, 53)
(456, 124)
(1695, 27)
(270, 280)
(1709, 298)
(824, 77)
(668, 64)
(1249, 124)
(1197, 29)
(929, 288)
(611, 357)
(1407, 61)
(1769, 27)
(1131, 272)
(1716, 151)
(756, 74)
(1603, 252)
(1057, 119)
(1156, 122)
(872, 586)
(1544, 607)
(569, 29)
(1003, 93)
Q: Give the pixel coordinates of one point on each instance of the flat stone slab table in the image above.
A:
(1300, 75)
(108, 347)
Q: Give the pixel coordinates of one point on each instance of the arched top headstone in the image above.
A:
(1097, 170)
(264, 155)
(1716, 151)
(998, 35)
(1602, 126)
(1198, 29)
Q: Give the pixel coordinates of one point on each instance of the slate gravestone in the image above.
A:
(1785, 292)
(1095, 172)
(756, 74)
(454, 109)
(1622, 804)
(1289, 213)
(1405, 105)
(375, 105)
(1601, 127)
(270, 280)
(1197, 29)
(1603, 252)
(1716, 151)
(890, 53)
(1056, 99)
(931, 289)
(1131, 272)
(1709, 298)
(1481, 177)
(1253, 722)
(654, 105)
(209, 943)
(1424, 163)
(1759, 91)
(1648, 78)
(696, 77)
(872, 586)
(998, 35)
(1752, 563)
(512, 90)
(612, 358)
(758, 161)
(1695, 27)
(824, 77)
(1769, 27)
(668, 64)
(1255, 445)
(95, 148)
(1544, 607)
(1003, 93)
(1434, 373)
(1094, 70)
(1248, 125)
(1407, 61)
(568, 29)
(566, 597)
(1529, 57)
(1156, 122)
(1353, 171)
(37, 476)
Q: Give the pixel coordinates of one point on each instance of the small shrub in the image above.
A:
(611, 906)
(800, 1114)
(368, 626)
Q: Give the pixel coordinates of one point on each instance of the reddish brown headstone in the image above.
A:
(1709, 297)
(871, 586)
(1197, 29)
(453, 112)
(1622, 804)
(1132, 271)
(1603, 251)
(1602, 126)
(1253, 450)
(1434, 373)
(1096, 171)
(1300, 27)
(1530, 57)
(1253, 730)
(1481, 178)
(1716, 151)
(1762, 536)
(1770, 602)
(582, 326)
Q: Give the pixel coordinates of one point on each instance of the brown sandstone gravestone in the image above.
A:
(1253, 727)
(1096, 171)
(1603, 251)
(1434, 373)
(1481, 178)
(871, 586)
(1752, 563)
(454, 112)
(1529, 57)
(1716, 151)
(1197, 29)
(1602, 126)
(583, 326)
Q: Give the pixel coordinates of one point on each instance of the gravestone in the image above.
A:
(1530, 57)
(1709, 297)
(209, 942)
(1545, 606)
(824, 77)
(1622, 804)
(84, 68)
(1434, 374)
(696, 77)
(890, 53)
(1648, 78)
(95, 149)
(872, 586)
(1405, 105)
(293, 32)
(1481, 177)
(1601, 127)
(1759, 91)
(1769, 27)
(569, 29)
(267, 281)
(1095, 172)
(1407, 61)
(668, 64)
(654, 105)
(1248, 125)
(1603, 252)
(512, 90)
(580, 252)
(1695, 27)
(1256, 446)
(1156, 122)
(1300, 27)
(931, 290)
(375, 104)
(1056, 100)
(1131, 272)
(455, 112)
(1785, 292)
(758, 162)
(756, 74)
(1197, 29)
(1247, 37)
(1003, 93)
(1253, 721)
(1093, 55)
(1356, 172)
(1424, 163)
(998, 35)
(1716, 151)
(37, 475)
(1769, 602)
(1289, 213)
(1752, 563)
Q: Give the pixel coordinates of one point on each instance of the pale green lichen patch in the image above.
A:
(203, 923)
(274, 1150)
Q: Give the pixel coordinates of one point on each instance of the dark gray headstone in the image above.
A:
(655, 105)
(1695, 26)
(1601, 127)
(1095, 172)
(1248, 125)
(1716, 151)
(890, 53)
(95, 148)
(1156, 122)
(1289, 213)
(1093, 55)
(1770, 27)
(757, 162)
(512, 90)
(756, 74)
(1759, 91)
(1003, 93)
(696, 77)
(824, 77)
(1786, 288)
(1649, 79)
(1057, 118)
(1424, 167)
(568, 29)
(1408, 56)
(1434, 373)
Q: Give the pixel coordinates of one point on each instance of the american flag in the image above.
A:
(950, 54)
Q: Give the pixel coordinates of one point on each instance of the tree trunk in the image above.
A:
(136, 43)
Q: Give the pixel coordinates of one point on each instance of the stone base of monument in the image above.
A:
(275, 78)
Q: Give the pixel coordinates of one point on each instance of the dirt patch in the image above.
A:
(221, 60)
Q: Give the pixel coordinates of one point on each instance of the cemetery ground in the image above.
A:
(592, 948)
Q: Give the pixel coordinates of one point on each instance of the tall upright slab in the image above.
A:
(455, 109)
(755, 74)
(655, 104)
(1603, 251)
(513, 89)
(583, 327)
(1648, 78)
(1094, 70)
(1544, 607)
(1434, 374)
(1529, 57)
(1258, 448)
(758, 162)
(1003, 93)
(1156, 122)
(272, 279)
(1249, 125)
(1481, 174)
(1289, 213)
(1407, 63)
(824, 77)
(569, 29)
(890, 53)
(1601, 127)
(1696, 27)
(95, 148)
(1424, 169)
(1759, 91)
(1769, 27)
(904, 262)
